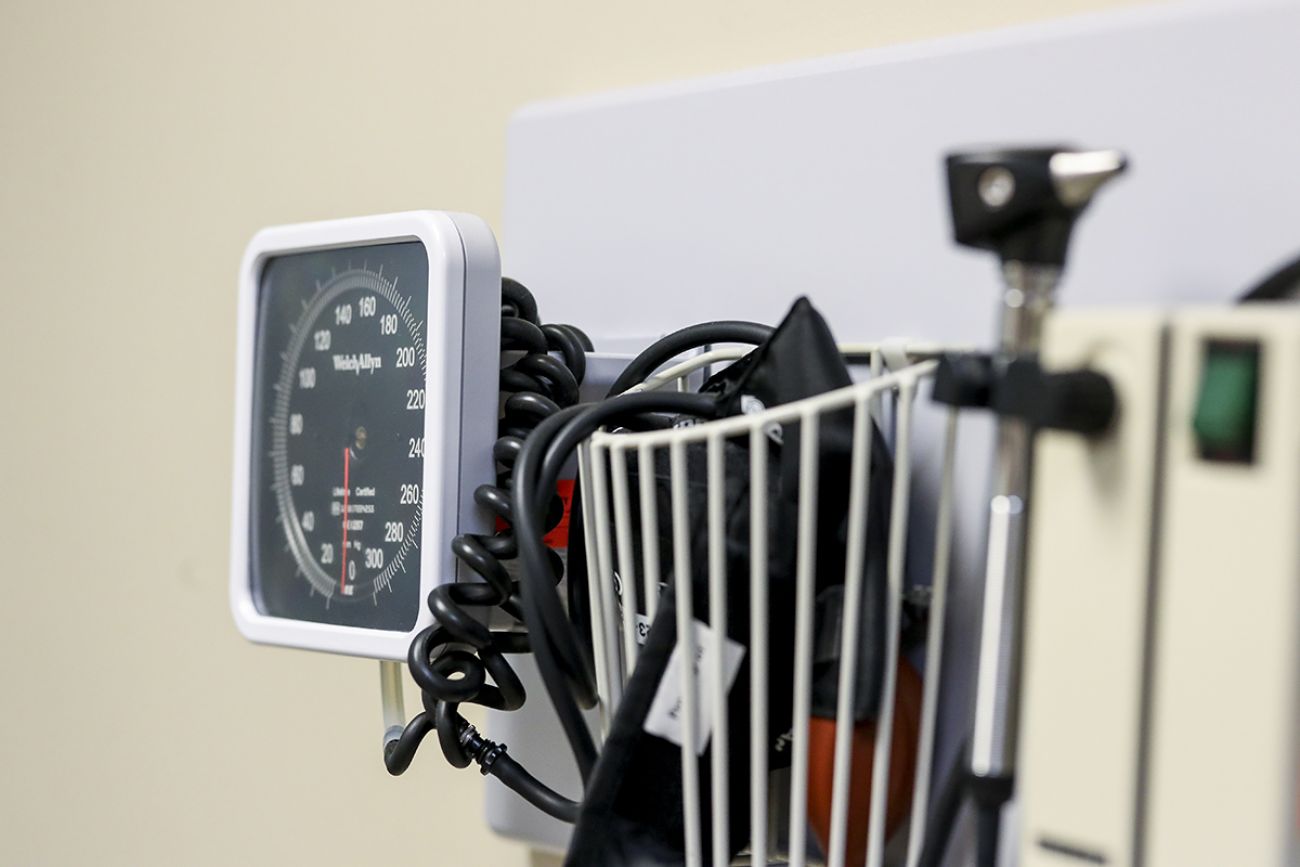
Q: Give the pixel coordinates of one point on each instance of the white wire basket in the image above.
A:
(625, 586)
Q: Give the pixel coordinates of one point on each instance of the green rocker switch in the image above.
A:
(1224, 421)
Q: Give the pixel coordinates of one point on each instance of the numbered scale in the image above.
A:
(366, 407)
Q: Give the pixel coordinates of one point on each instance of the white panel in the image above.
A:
(642, 211)
(647, 210)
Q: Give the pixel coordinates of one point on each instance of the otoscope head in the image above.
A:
(1022, 203)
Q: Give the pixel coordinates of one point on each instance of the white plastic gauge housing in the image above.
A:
(367, 365)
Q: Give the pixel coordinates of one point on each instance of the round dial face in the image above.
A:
(341, 405)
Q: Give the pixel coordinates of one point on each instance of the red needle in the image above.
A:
(343, 574)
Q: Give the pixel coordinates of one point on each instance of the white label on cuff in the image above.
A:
(665, 716)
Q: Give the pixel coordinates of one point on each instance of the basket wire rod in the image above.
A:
(599, 467)
(934, 643)
(645, 461)
(590, 509)
(626, 557)
(758, 629)
(721, 752)
(677, 373)
(897, 552)
(806, 559)
(877, 371)
(685, 650)
(855, 561)
(915, 350)
(918, 351)
(781, 414)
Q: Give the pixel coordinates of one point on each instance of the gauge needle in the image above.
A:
(343, 573)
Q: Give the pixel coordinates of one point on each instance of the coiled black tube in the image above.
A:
(566, 670)
(453, 659)
(458, 659)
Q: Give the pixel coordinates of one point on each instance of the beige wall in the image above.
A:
(141, 144)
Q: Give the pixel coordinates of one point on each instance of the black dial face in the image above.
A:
(338, 436)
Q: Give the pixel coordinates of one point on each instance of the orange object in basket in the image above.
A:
(902, 768)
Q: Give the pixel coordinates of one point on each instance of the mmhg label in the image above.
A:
(665, 716)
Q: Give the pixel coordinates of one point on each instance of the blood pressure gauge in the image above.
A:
(366, 410)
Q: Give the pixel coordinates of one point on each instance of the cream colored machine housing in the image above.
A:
(1093, 516)
(1226, 687)
(1161, 704)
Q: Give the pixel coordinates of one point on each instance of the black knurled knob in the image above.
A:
(1082, 401)
(963, 379)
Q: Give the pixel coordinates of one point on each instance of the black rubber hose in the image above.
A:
(399, 751)
(458, 659)
(493, 758)
(572, 345)
(669, 347)
(1281, 284)
(452, 659)
(558, 451)
(566, 671)
(517, 301)
(581, 336)
(510, 772)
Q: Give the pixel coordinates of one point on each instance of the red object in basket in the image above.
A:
(902, 768)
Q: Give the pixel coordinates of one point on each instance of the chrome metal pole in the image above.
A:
(1022, 205)
(1027, 297)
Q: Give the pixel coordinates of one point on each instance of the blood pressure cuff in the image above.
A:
(802, 360)
(632, 812)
